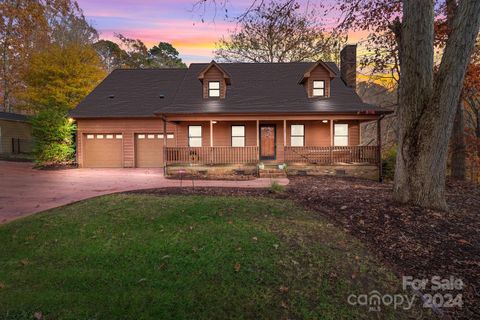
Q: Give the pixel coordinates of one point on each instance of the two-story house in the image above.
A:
(228, 114)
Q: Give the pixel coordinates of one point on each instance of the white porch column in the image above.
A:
(258, 133)
(284, 133)
(211, 133)
(331, 132)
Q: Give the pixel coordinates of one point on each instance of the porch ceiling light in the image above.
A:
(213, 122)
(325, 121)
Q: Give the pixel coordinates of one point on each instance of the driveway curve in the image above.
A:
(24, 190)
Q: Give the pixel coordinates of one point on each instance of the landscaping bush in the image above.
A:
(388, 163)
(53, 137)
(275, 187)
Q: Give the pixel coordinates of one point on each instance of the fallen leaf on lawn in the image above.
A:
(463, 241)
(284, 305)
(254, 238)
(38, 315)
(283, 289)
(165, 257)
(142, 280)
(230, 222)
(237, 267)
(294, 262)
(2, 285)
(353, 275)
(24, 262)
(275, 246)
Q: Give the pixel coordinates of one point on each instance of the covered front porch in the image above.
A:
(289, 139)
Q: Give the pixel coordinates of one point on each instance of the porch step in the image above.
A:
(271, 172)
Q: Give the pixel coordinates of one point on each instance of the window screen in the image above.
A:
(238, 136)
(297, 135)
(195, 136)
(214, 89)
(318, 88)
(340, 137)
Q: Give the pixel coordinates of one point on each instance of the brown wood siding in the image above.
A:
(316, 133)
(353, 131)
(214, 74)
(222, 133)
(126, 127)
(15, 130)
(319, 73)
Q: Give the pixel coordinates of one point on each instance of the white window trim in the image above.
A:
(194, 137)
(211, 90)
(296, 136)
(335, 135)
(244, 136)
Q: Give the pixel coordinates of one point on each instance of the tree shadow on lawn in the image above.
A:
(416, 242)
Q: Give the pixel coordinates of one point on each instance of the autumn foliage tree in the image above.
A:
(428, 95)
(58, 78)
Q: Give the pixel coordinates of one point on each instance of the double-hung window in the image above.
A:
(340, 136)
(318, 88)
(194, 136)
(297, 135)
(214, 89)
(238, 136)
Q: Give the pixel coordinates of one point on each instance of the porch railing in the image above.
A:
(211, 155)
(331, 155)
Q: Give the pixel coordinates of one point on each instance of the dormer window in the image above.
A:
(318, 88)
(214, 81)
(214, 89)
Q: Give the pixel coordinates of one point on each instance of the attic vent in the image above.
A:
(162, 96)
(111, 96)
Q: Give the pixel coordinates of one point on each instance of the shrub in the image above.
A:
(53, 137)
(388, 163)
(275, 187)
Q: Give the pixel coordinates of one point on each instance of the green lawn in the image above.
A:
(184, 257)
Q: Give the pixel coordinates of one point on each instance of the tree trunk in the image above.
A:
(457, 143)
(427, 105)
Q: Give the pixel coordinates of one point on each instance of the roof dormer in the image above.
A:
(316, 80)
(215, 81)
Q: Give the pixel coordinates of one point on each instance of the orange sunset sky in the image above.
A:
(176, 22)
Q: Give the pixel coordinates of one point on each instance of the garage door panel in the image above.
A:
(103, 150)
(149, 150)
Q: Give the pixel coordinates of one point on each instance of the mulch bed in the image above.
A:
(56, 166)
(414, 241)
(210, 191)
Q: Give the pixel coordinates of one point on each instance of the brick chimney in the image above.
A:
(348, 65)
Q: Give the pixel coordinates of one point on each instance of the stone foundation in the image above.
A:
(350, 170)
(226, 171)
(212, 171)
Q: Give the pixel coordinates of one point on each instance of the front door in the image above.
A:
(267, 141)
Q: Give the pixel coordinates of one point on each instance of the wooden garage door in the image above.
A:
(103, 150)
(149, 150)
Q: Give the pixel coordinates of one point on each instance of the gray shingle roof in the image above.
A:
(13, 116)
(255, 88)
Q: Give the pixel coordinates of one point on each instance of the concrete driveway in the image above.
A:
(24, 191)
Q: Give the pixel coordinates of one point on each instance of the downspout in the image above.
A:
(164, 119)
